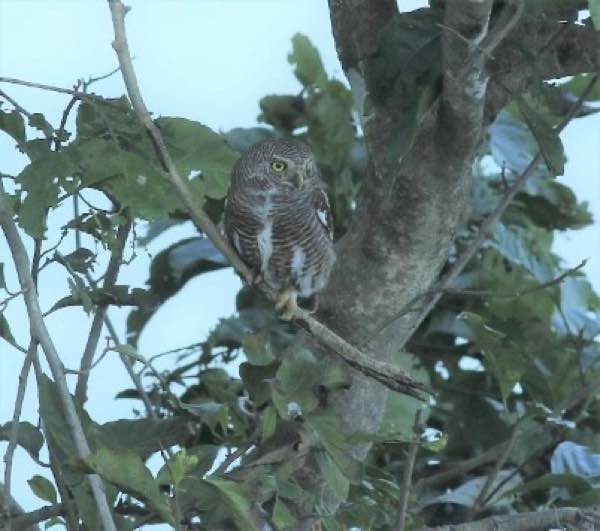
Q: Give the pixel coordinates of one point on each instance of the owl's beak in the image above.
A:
(298, 179)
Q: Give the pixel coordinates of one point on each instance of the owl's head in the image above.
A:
(282, 163)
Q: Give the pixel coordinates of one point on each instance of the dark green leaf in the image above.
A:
(196, 148)
(332, 475)
(258, 348)
(571, 482)
(13, 124)
(143, 436)
(308, 66)
(127, 471)
(235, 500)
(594, 7)
(282, 516)
(28, 436)
(5, 329)
(579, 83)
(268, 422)
(43, 488)
(40, 179)
(404, 73)
(2, 280)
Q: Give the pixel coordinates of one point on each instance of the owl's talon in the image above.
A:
(254, 278)
(286, 305)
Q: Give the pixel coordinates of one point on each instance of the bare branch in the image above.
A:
(28, 521)
(40, 333)
(385, 373)
(110, 279)
(552, 518)
(14, 432)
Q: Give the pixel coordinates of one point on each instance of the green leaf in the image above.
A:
(333, 476)
(12, 123)
(576, 484)
(284, 112)
(400, 410)
(54, 521)
(594, 7)
(174, 471)
(297, 378)
(258, 348)
(504, 361)
(256, 380)
(5, 332)
(404, 73)
(197, 148)
(547, 138)
(579, 83)
(40, 179)
(80, 260)
(308, 65)
(282, 516)
(268, 420)
(127, 471)
(143, 436)
(238, 504)
(43, 488)
(2, 280)
(28, 436)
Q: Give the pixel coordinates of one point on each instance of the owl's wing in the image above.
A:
(323, 211)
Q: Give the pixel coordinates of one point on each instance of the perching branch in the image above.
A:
(385, 373)
(552, 518)
(40, 333)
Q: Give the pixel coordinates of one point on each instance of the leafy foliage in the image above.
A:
(509, 348)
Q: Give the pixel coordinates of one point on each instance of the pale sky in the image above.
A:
(210, 61)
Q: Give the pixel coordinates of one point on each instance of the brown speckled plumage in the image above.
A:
(280, 221)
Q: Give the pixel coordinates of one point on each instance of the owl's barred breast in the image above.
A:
(281, 236)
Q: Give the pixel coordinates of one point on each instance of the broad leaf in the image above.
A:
(43, 488)
(28, 436)
(127, 471)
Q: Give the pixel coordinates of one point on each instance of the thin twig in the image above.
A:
(27, 520)
(15, 104)
(517, 294)
(14, 431)
(239, 452)
(409, 464)
(110, 279)
(40, 332)
(77, 94)
(479, 502)
(437, 290)
(385, 373)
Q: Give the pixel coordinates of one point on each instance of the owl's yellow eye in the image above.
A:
(278, 166)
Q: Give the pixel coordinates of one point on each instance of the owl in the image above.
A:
(278, 219)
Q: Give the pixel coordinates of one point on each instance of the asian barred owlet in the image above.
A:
(277, 217)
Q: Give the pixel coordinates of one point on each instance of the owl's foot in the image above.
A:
(254, 278)
(286, 304)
